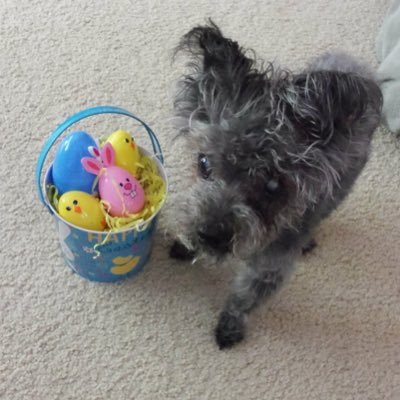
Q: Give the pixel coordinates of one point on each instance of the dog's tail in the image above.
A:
(341, 61)
(211, 50)
(347, 83)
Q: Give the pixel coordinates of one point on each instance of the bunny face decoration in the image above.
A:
(117, 187)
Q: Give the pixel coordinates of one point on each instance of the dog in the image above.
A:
(275, 152)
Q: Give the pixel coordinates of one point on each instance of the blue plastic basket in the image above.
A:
(125, 252)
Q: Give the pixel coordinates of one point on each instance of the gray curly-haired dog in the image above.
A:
(275, 153)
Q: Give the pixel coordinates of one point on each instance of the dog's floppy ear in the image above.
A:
(221, 80)
(326, 102)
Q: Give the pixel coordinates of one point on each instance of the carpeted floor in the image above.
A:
(332, 333)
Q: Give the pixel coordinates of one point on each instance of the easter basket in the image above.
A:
(107, 256)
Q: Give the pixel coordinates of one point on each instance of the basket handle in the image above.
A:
(89, 112)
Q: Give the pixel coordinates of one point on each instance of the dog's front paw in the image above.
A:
(229, 331)
(179, 251)
(309, 247)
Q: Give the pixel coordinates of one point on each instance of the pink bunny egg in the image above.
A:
(117, 187)
(122, 191)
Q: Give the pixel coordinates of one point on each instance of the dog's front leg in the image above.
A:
(259, 280)
(181, 251)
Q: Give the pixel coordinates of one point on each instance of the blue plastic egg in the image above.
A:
(68, 172)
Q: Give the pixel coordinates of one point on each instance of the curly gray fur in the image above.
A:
(276, 152)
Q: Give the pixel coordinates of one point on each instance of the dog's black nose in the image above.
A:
(218, 237)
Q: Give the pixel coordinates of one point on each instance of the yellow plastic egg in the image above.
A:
(82, 209)
(126, 151)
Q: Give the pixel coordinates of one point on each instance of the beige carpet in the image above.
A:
(332, 333)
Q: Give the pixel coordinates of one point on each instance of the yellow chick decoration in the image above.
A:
(126, 151)
(123, 265)
(82, 209)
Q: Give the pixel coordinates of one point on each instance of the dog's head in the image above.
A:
(267, 145)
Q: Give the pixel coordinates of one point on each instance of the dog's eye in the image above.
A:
(272, 186)
(204, 166)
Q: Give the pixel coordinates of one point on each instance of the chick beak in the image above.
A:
(77, 209)
(133, 145)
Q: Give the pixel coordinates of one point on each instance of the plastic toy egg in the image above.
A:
(122, 191)
(117, 187)
(68, 172)
(82, 209)
(126, 151)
